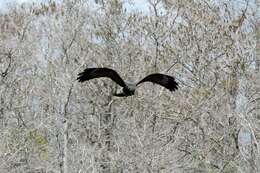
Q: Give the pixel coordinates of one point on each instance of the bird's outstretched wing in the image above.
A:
(161, 79)
(91, 73)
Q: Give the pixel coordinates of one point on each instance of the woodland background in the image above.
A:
(50, 123)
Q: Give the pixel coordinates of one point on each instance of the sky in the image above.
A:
(139, 4)
(4, 3)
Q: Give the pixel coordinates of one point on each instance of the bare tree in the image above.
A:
(51, 123)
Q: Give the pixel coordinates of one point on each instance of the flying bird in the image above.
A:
(128, 88)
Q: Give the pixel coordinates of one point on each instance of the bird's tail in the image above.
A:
(119, 94)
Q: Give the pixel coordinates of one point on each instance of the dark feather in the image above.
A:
(91, 73)
(120, 94)
(161, 79)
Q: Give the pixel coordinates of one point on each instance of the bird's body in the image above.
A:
(128, 88)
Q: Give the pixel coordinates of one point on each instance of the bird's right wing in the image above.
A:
(161, 79)
(91, 73)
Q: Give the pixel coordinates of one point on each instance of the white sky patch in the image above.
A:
(135, 5)
(22, 1)
(4, 3)
(130, 5)
(138, 5)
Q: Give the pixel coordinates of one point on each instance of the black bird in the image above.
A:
(128, 88)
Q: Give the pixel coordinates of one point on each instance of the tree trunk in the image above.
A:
(66, 134)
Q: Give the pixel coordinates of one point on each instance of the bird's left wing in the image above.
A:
(91, 73)
(161, 79)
